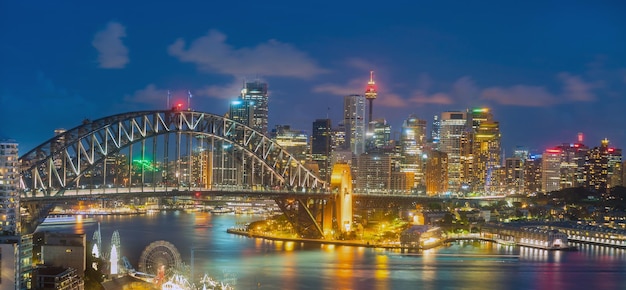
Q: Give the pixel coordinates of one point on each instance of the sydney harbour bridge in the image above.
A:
(178, 152)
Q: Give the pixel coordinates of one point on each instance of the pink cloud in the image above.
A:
(575, 89)
(391, 100)
(520, 95)
(421, 98)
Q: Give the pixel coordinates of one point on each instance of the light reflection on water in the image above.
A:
(292, 265)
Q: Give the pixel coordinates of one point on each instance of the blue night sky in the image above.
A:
(548, 69)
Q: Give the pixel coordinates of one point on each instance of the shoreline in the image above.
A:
(383, 246)
(350, 243)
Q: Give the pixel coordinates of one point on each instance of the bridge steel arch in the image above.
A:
(78, 150)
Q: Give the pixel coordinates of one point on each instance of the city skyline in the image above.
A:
(544, 72)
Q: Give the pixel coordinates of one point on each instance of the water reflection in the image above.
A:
(293, 265)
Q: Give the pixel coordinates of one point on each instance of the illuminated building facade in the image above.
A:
(603, 168)
(532, 174)
(435, 130)
(296, 142)
(573, 159)
(374, 174)
(15, 248)
(413, 137)
(453, 125)
(242, 111)
(480, 156)
(354, 123)
(9, 195)
(251, 108)
(551, 170)
(402, 182)
(514, 175)
(436, 168)
(381, 135)
(321, 146)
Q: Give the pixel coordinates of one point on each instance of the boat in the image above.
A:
(56, 220)
(219, 209)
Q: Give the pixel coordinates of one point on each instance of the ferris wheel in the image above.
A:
(158, 257)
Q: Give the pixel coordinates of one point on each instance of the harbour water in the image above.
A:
(249, 263)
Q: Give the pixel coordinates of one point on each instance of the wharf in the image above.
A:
(351, 243)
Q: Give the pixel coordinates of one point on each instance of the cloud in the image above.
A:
(148, 95)
(354, 86)
(574, 89)
(520, 95)
(391, 100)
(111, 51)
(360, 64)
(226, 92)
(156, 96)
(211, 53)
(465, 88)
(422, 98)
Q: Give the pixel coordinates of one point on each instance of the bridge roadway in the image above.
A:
(200, 193)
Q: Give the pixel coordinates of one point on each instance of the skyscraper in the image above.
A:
(354, 122)
(434, 133)
(453, 125)
(603, 165)
(436, 168)
(242, 111)
(251, 108)
(296, 142)
(380, 135)
(485, 150)
(321, 146)
(412, 145)
(9, 196)
(551, 170)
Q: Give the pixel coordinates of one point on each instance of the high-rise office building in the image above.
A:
(436, 168)
(242, 111)
(603, 167)
(485, 151)
(412, 139)
(354, 122)
(251, 108)
(514, 175)
(380, 135)
(551, 170)
(452, 126)
(321, 145)
(296, 142)
(9, 195)
(532, 174)
(434, 131)
(15, 248)
(573, 158)
(374, 174)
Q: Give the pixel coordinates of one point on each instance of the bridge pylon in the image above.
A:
(322, 217)
(341, 187)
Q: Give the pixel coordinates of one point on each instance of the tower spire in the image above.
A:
(370, 94)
